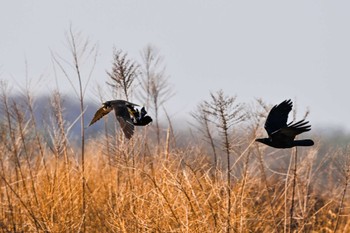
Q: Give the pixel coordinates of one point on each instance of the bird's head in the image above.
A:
(107, 104)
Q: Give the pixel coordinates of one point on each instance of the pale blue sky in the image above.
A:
(253, 49)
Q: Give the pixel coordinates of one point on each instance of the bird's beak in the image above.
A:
(258, 139)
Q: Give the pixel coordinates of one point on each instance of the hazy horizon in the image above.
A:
(271, 50)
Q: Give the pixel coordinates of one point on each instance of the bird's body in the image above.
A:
(122, 112)
(143, 121)
(139, 118)
(281, 134)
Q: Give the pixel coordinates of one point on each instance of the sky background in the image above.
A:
(272, 50)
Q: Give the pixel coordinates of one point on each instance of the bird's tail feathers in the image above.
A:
(304, 142)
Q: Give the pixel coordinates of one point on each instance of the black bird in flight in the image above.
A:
(139, 118)
(281, 134)
(124, 112)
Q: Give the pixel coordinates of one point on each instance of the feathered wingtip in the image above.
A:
(300, 125)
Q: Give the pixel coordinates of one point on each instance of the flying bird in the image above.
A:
(281, 134)
(139, 118)
(121, 109)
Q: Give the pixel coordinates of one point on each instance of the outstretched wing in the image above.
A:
(278, 117)
(123, 117)
(99, 114)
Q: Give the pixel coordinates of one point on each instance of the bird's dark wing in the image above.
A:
(99, 114)
(123, 117)
(293, 130)
(278, 117)
(289, 132)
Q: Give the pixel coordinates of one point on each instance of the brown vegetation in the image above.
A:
(133, 186)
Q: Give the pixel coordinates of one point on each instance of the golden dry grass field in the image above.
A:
(142, 186)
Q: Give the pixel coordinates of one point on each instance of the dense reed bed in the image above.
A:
(142, 186)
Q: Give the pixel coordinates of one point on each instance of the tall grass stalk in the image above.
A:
(79, 49)
(292, 225)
